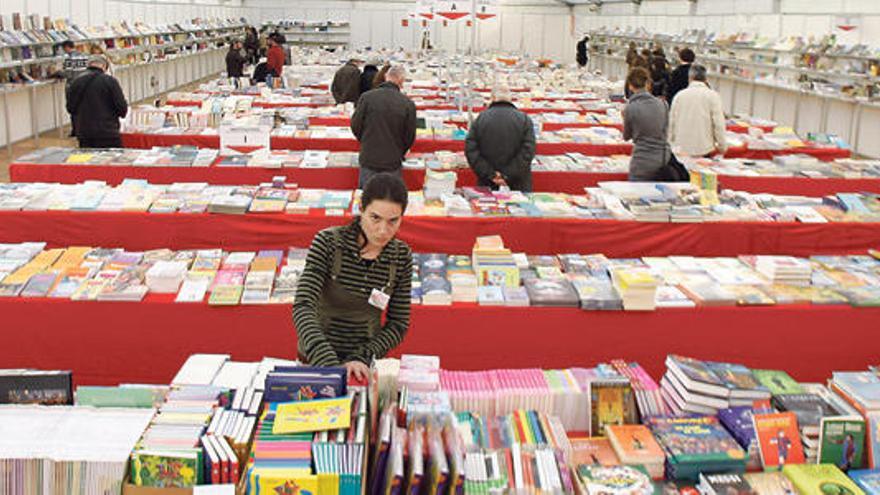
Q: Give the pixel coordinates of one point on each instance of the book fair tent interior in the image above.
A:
(440, 247)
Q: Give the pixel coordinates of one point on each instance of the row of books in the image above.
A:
(590, 282)
(647, 202)
(183, 156)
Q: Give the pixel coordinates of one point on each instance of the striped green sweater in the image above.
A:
(349, 340)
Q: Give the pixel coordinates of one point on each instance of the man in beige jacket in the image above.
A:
(697, 125)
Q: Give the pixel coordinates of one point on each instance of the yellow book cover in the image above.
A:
(328, 484)
(79, 158)
(313, 415)
(72, 258)
(264, 264)
(284, 482)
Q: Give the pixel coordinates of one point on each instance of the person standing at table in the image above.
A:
(581, 57)
(368, 75)
(353, 275)
(252, 45)
(645, 123)
(346, 85)
(385, 124)
(380, 76)
(235, 60)
(97, 102)
(680, 77)
(275, 57)
(500, 145)
(697, 126)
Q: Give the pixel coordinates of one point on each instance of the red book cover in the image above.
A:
(779, 441)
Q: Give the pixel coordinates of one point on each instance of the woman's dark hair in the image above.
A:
(382, 186)
(380, 76)
(638, 78)
(687, 55)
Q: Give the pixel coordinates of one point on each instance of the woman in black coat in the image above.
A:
(367, 76)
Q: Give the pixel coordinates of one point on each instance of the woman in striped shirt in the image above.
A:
(353, 274)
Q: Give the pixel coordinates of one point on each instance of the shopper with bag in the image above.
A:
(645, 122)
(354, 275)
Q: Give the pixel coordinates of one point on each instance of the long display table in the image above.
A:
(346, 178)
(453, 235)
(113, 342)
(146, 141)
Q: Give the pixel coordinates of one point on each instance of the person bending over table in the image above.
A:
(354, 274)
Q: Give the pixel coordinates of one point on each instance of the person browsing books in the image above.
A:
(353, 275)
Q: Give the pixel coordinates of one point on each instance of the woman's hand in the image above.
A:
(358, 370)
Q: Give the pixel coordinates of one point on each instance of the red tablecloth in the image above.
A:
(107, 343)
(328, 178)
(824, 154)
(419, 106)
(619, 239)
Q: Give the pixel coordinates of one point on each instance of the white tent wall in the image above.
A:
(41, 108)
(537, 28)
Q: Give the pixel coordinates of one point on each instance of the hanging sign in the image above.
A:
(239, 139)
(452, 9)
(425, 8)
(486, 9)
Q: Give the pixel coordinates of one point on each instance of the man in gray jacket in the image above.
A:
(385, 124)
(500, 145)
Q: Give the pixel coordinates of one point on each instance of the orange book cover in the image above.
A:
(593, 451)
(779, 440)
(635, 444)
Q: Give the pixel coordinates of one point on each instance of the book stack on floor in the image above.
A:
(705, 387)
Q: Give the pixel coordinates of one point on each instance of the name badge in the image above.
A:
(379, 299)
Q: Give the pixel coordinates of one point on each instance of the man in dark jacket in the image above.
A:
(96, 100)
(500, 145)
(346, 85)
(235, 60)
(582, 58)
(385, 125)
(680, 77)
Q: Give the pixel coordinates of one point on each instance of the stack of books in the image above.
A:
(637, 288)
(439, 184)
(695, 445)
(704, 387)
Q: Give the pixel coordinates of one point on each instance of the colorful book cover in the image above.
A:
(779, 441)
(770, 483)
(778, 382)
(611, 404)
(615, 480)
(867, 479)
(820, 479)
(739, 378)
(842, 443)
(313, 415)
(698, 439)
(166, 469)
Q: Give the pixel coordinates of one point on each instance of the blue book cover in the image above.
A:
(699, 439)
(738, 421)
(867, 479)
(292, 383)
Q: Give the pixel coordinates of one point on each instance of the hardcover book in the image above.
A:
(779, 441)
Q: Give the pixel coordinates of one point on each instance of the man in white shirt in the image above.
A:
(696, 122)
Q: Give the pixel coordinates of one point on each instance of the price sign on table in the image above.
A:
(238, 140)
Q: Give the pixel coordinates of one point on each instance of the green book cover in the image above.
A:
(778, 382)
(842, 443)
(166, 468)
(114, 397)
(820, 479)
